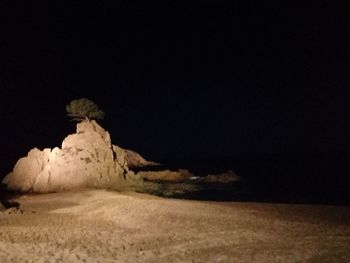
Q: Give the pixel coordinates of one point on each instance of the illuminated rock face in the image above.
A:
(86, 159)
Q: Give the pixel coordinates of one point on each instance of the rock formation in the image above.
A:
(226, 177)
(166, 175)
(86, 159)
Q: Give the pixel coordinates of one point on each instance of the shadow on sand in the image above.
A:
(6, 198)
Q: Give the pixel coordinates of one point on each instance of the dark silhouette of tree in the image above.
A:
(82, 109)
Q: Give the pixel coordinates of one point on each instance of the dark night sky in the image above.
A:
(178, 80)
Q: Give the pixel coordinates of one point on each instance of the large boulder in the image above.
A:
(86, 159)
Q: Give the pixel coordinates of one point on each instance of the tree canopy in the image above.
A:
(80, 109)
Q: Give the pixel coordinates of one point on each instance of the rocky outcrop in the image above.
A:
(86, 159)
(226, 177)
(130, 159)
(166, 175)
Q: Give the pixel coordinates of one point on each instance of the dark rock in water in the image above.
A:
(226, 177)
(166, 175)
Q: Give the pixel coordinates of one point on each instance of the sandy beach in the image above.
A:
(105, 226)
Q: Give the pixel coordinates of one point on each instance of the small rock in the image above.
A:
(226, 177)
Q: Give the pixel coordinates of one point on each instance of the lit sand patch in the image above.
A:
(104, 226)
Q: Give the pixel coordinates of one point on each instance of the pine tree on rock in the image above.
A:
(81, 109)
